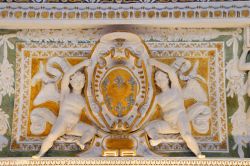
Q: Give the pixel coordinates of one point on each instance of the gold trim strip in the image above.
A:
(136, 11)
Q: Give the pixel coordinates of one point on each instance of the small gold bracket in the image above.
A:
(119, 152)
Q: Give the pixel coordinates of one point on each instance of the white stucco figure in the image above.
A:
(71, 105)
(40, 75)
(49, 92)
(175, 119)
(199, 113)
(181, 65)
(193, 88)
(55, 73)
(39, 117)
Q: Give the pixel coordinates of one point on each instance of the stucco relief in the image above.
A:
(6, 86)
(118, 97)
(241, 117)
(171, 101)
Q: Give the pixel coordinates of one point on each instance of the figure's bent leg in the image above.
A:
(156, 129)
(57, 131)
(152, 129)
(85, 131)
(185, 132)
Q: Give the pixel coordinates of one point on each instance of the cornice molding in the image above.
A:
(52, 15)
(125, 161)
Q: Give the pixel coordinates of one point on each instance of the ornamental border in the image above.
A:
(135, 11)
(188, 161)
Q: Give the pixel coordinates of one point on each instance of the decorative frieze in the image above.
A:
(134, 11)
(124, 161)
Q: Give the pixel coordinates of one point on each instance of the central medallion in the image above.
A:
(119, 89)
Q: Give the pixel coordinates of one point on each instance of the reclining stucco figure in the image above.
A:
(171, 100)
(71, 105)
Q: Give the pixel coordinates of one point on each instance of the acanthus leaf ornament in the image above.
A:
(6, 70)
(238, 86)
(6, 85)
(240, 119)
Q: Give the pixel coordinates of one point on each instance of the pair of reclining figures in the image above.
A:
(170, 99)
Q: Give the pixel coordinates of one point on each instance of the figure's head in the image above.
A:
(77, 81)
(162, 79)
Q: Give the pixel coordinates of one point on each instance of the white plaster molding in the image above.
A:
(150, 33)
(101, 161)
(206, 14)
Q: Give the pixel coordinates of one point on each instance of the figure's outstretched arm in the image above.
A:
(171, 73)
(65, 85)
(243, 65)
(78, 66)
(66, 78)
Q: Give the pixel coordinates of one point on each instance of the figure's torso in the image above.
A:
(171, 103)
(71, 108)
(171, 99)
